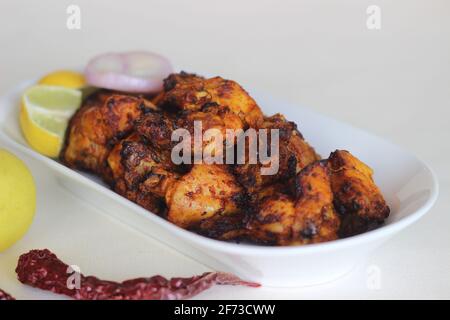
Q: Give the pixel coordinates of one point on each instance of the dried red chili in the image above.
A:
(42, 269)
(5, 296)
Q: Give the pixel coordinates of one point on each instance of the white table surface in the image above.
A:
(394, 82)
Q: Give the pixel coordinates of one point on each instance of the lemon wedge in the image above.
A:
(17, 199)
(64, 78)
(44, 115)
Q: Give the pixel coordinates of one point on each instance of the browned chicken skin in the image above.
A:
(157, 128)
(113, 170)
(294, 154)
(307, 218)
(190, 92)
(104, 118)
(357, 198)
(127, 140)
(206, 192)
(140, 173)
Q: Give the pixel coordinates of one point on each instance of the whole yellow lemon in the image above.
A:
(17, 199)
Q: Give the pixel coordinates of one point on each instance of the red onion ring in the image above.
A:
(138, 72)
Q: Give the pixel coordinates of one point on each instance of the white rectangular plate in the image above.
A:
(408, 185)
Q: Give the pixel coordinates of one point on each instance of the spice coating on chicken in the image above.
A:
(190, 92)
(104, 118)
(212, 124)
(140, 173)
(207, 191)
(357, 198)
(307, 218)
(113, 171)
(294, 153)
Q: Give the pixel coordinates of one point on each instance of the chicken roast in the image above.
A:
(127, 140)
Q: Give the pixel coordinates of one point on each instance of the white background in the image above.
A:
(394, 82)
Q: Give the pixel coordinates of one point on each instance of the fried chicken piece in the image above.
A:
(157, 128)
(206, 192)
(216, 123)
(294, 153)
(308, 218)
(190, 92)
(139, 173)
(146, 174)
(317, 219)
(179, 79)
(113, 172)
(104, 118)
(224, 227)
(356, 196)
(274, 220)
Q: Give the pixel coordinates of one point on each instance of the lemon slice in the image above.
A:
(64, 78)
(44, 115)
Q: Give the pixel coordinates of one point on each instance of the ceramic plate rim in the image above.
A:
(222, 246)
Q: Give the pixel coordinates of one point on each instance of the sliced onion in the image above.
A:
(139, 72)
